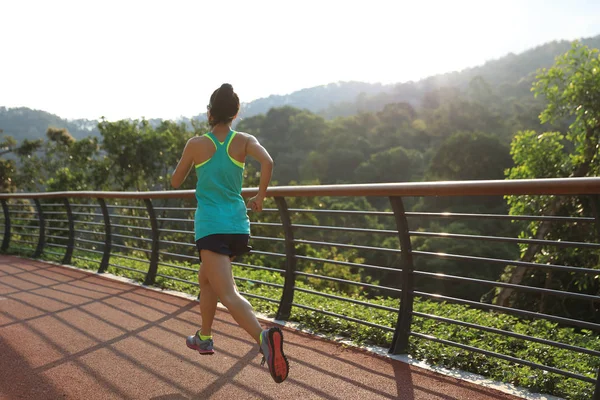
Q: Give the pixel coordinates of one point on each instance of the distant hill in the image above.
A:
(316, 98)
(508, 76)
(25, 123)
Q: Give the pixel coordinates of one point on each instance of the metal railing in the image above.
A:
(106, 225)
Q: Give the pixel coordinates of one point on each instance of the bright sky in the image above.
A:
(162, 59)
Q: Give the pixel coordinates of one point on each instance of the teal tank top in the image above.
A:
(221, 207)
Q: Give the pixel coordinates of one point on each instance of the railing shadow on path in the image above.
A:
(77, 326)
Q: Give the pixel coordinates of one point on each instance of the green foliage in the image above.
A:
(397, 142)
(62, 163)
(138, 155)
(571, 90)
(394, 165)
(8, 147)
(60, 136)
(536, 156)
(469, 156)
(539, 156)
(7, 168)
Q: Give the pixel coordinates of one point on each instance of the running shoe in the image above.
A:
(272, 349)
(204, 347)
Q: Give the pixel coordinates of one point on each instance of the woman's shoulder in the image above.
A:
(246, 136)
(243, 134)
(196, 140)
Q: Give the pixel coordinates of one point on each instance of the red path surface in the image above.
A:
(70, 334)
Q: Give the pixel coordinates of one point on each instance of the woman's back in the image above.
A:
(219, 169)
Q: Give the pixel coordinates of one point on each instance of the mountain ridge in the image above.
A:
(509, 75)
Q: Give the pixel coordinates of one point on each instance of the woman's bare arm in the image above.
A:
(258, 152)
(184, 166)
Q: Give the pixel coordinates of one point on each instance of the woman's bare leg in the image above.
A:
(216, 268)
(208, 303)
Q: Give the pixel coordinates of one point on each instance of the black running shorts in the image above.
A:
(229, 244)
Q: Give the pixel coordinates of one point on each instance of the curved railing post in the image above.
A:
(402, 333)
(6, 238)
(287, 297)
(42, 237)
(153, 268)
(71, 240)
(107, 236)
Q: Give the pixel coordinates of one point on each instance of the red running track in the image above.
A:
(72, 334)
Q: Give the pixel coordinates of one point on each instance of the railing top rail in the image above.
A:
(553, 186)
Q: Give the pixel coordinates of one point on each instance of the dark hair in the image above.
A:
(224, 105)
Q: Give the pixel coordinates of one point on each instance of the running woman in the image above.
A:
(222, 227)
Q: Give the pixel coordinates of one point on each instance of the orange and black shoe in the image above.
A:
(271, 346)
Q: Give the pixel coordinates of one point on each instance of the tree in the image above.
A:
(141, 157)
(62, 163)
(469, 156)
(396, 127)
(60, 136)
(449, 110)
(572, 91)
(8, 167)
(394, 165)
(290, 135)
